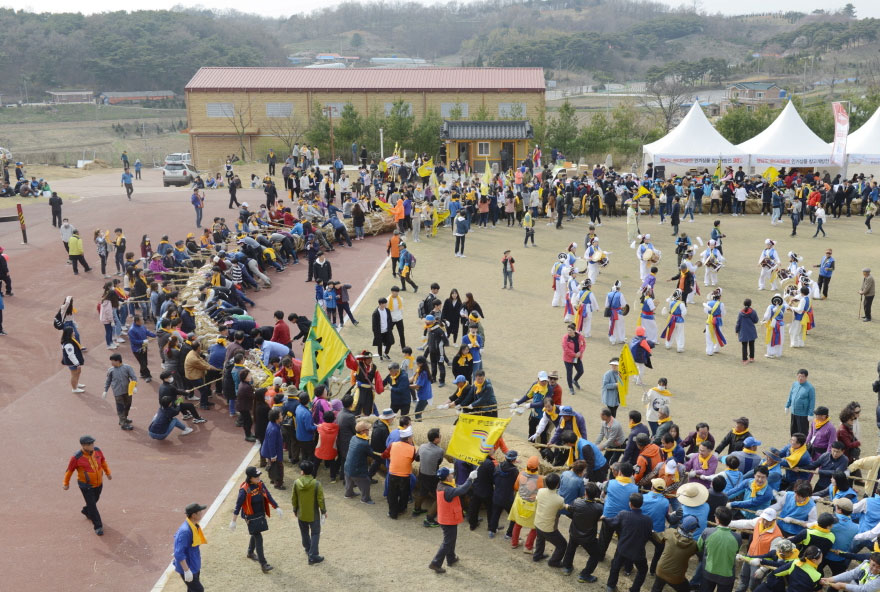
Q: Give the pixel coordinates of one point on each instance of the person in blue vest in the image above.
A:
(826, 268)
(732, 476)
(796, 509)
(818, 534)
(844, 530)
(840, 487)
(756, 492)
(656, 506)
(869, 523)
(583, 449)
(794, 456)
(617, 492)
(748, 456)
(187, 554)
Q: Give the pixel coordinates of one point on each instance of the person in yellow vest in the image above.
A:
(865, 577)
(449, 515)
(800, 575)
(75, 252)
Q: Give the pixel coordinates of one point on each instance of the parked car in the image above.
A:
(179, 157)
(178, 173)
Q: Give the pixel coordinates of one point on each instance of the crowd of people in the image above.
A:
(683, 493)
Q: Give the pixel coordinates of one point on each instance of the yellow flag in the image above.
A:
(427, 168)
(474, 437)
(642, 191)
(487, 174)
(438, 219)
(383, 205)
(383, 166)
(324, 351)
(719, 170)
(626, 368)
(771, 174)
(434, 182)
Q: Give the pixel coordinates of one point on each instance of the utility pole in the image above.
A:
(381, 144)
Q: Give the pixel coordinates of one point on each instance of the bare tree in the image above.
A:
(664, 99)
(242, 118)
(287, 129)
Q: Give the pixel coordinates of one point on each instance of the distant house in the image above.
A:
(753, 95)
(143, 96)
(502, 142)
(62, 97)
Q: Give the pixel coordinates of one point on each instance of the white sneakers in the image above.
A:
(112, 346)
(78, 390)
(186, 431)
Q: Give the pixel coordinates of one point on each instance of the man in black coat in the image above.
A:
(323, 270)
(382, 336)
(583, 531)
(55, 203)
(634, 531)
(481, 493)
(347, 423)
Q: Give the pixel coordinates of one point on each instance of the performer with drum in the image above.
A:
(596, 258)
(712, 260)
(646, 253)
(769, 264)
(560, 282)
(586, 306)
(800, 305)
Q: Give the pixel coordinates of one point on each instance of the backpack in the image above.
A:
(421, 309)
(56, 322)
(411, 260)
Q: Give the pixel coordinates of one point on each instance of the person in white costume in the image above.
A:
(615, 301)
(769, 263)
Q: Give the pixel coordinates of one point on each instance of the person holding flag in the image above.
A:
(715, 309)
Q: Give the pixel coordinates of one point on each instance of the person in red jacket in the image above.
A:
(90, 466)
(573, 345)
(449, 515)
(281, 332)
(326, 451)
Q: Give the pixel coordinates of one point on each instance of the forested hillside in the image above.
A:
(574, 40)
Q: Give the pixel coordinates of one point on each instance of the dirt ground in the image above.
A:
(523, 336)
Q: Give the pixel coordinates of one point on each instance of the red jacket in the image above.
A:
(848, 439)
(568, 354)
(281, 333)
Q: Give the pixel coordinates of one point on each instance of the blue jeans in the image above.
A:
(108, 333)
(175, 423)
(198, 216)
(699, 202)
(688, 211)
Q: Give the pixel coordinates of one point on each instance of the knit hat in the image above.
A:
(533, 463)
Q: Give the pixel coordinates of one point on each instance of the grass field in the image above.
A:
(83, 112)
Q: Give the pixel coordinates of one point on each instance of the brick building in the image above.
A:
(255, 99)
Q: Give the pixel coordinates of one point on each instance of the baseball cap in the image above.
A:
(512, 454)
(406, 433)
(542, 376)
(843, 503)
(751, 442)
(769, 514)
(86, 440)
(193, 508)
(658, 484)
(252, 472)
(430, 318)
(459, 379)
(689, 524)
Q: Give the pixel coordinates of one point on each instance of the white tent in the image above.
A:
(863, 145)
(787, 142)
(693, 142)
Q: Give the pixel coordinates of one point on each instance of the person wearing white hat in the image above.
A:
(534, 399)
(712, 260)
(560, 271)
(614, 303)
(674, 330)
(714, 308)
(692, 497)
(644, 245)
(774, 318)
(400, 455)
(768, 261)
(593, 265)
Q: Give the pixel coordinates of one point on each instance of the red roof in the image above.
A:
(369, 79)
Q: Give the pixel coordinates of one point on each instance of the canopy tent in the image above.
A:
(787, 142)
(693, 142)
(863, 145)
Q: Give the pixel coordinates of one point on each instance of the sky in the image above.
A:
(279, 8)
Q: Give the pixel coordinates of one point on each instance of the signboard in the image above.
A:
(841, 131)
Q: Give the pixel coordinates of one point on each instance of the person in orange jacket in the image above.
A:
(648, 457)
(90, 466)
(449, 515)
(393, 250)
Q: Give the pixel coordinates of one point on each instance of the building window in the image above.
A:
(279, 109)
(760, 95)
(390, 106)
(749, 108)
(448, 109)
(219, 110)
(482, 148)
(512, 110)
(332, 109)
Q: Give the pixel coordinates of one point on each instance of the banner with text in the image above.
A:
(841, 131)
(474, 437)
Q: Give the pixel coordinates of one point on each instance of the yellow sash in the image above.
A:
(198, 535)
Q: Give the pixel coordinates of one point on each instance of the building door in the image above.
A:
(507, 156)
(464, 153)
